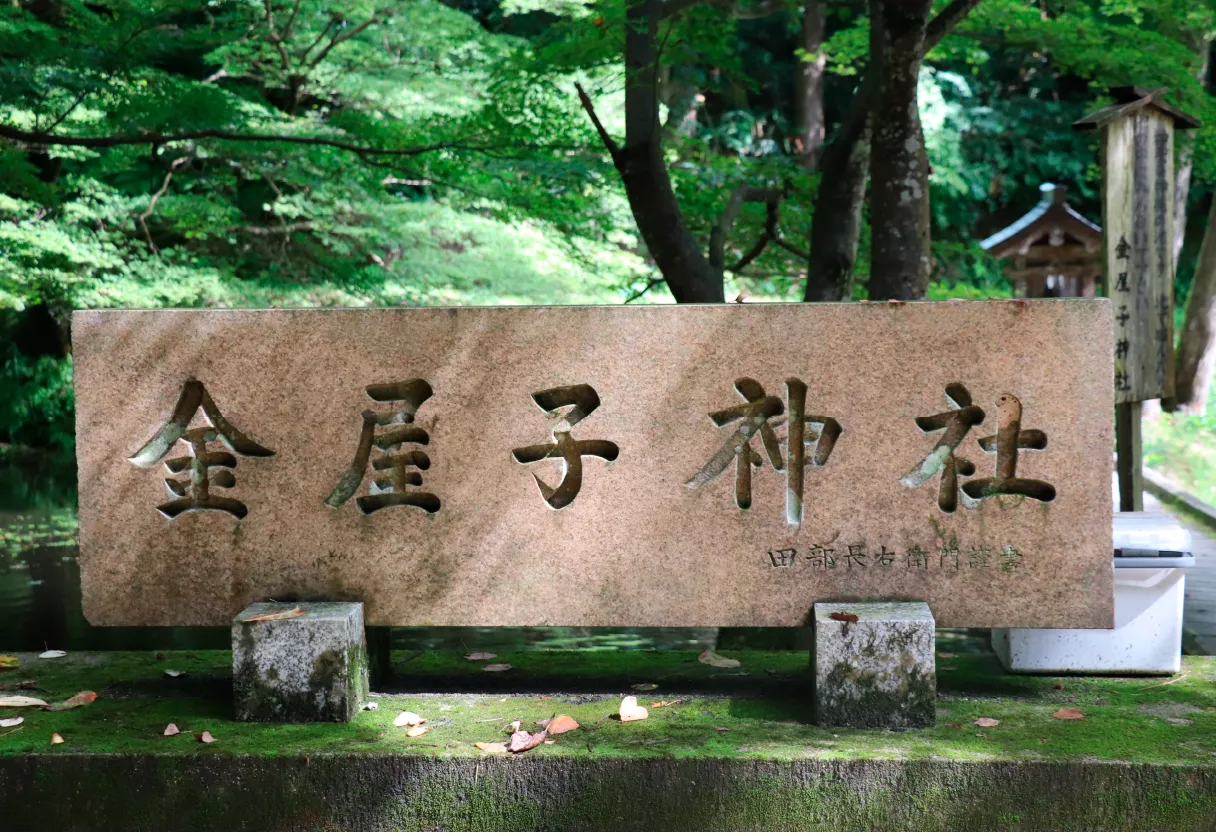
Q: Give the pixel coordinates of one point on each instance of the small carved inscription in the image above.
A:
(951, 558)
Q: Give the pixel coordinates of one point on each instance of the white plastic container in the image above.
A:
(1151, 554)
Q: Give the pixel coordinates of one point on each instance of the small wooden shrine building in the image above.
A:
(1052, 250)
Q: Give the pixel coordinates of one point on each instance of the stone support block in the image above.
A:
(876, 671)
(309, 668)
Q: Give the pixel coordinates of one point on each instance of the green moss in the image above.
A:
(758, 712)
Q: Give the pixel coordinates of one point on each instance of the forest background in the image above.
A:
(231, 153)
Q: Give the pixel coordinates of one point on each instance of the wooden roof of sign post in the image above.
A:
(1129, 100)
(1051, 241)
(1138, 233)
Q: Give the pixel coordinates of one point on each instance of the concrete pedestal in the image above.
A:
(309, 668)
(874, 666)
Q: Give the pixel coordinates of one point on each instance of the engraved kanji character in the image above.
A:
(194, 494)
(1121, 282)
(1123, 249)
(582, 400)
(821, 557)
(916, 558)
(754, 417)
(394, 490)
(956, 423)
(978, 557)
(783, 558)
(1121, 381)
(1009, 438)
(1011, 560)
(948, 557)
(857, 552)
(1122, 347)
(884, 558)
(1123, 316)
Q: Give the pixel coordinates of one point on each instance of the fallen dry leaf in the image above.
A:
(276, 615)
(1059, 686)
(561, 724)
(947, 667)
(20, 702)
(7, 662)
(1042, 740)
(630, 710)
(644, 686)
(522, 741)
(417, 731)
(947, 656)
(722, 728)
(980, 734)
(549, 742)
(56, 738)
(481, 656)
(172, 674)
(83, 698)
(171, 730)
(52, 654)
(954, 726)
(408, 718)
(708, 657)
(515, 724)
(1068, 714)
(205, 737)
(848, 617)
(18, 686)
(663, 703)
(494, 748)
(497, 668)
(1179, 721)
(546, 698)
(9, 722)
(987, 723)
(370, 706)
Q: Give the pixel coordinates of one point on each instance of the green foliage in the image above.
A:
(36, 410)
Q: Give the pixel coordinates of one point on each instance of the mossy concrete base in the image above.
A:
(309, 668)
(874, 666)
(722, 749)
(415, 792)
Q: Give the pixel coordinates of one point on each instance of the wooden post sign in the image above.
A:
(1138, 234)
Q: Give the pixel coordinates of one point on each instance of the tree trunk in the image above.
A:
(1197, 349)
(643, 171)
(809, 82)
(1185, 162)
(899, 176)
(836, 225)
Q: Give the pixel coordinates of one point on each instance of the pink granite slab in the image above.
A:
(653, 535)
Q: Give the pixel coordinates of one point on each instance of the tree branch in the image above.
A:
(650, 285)
(40, 138)
(337, 39)
(734, 204)
(608, 141)
(164, 187)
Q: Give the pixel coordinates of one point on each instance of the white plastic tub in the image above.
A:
(1151, 555)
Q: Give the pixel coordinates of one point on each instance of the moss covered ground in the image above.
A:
(758, 711)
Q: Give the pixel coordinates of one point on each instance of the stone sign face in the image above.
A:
(601, 466)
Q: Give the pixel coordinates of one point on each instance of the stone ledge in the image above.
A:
(410, 792)
(736, 751)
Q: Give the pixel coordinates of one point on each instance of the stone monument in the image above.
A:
(604, 466)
